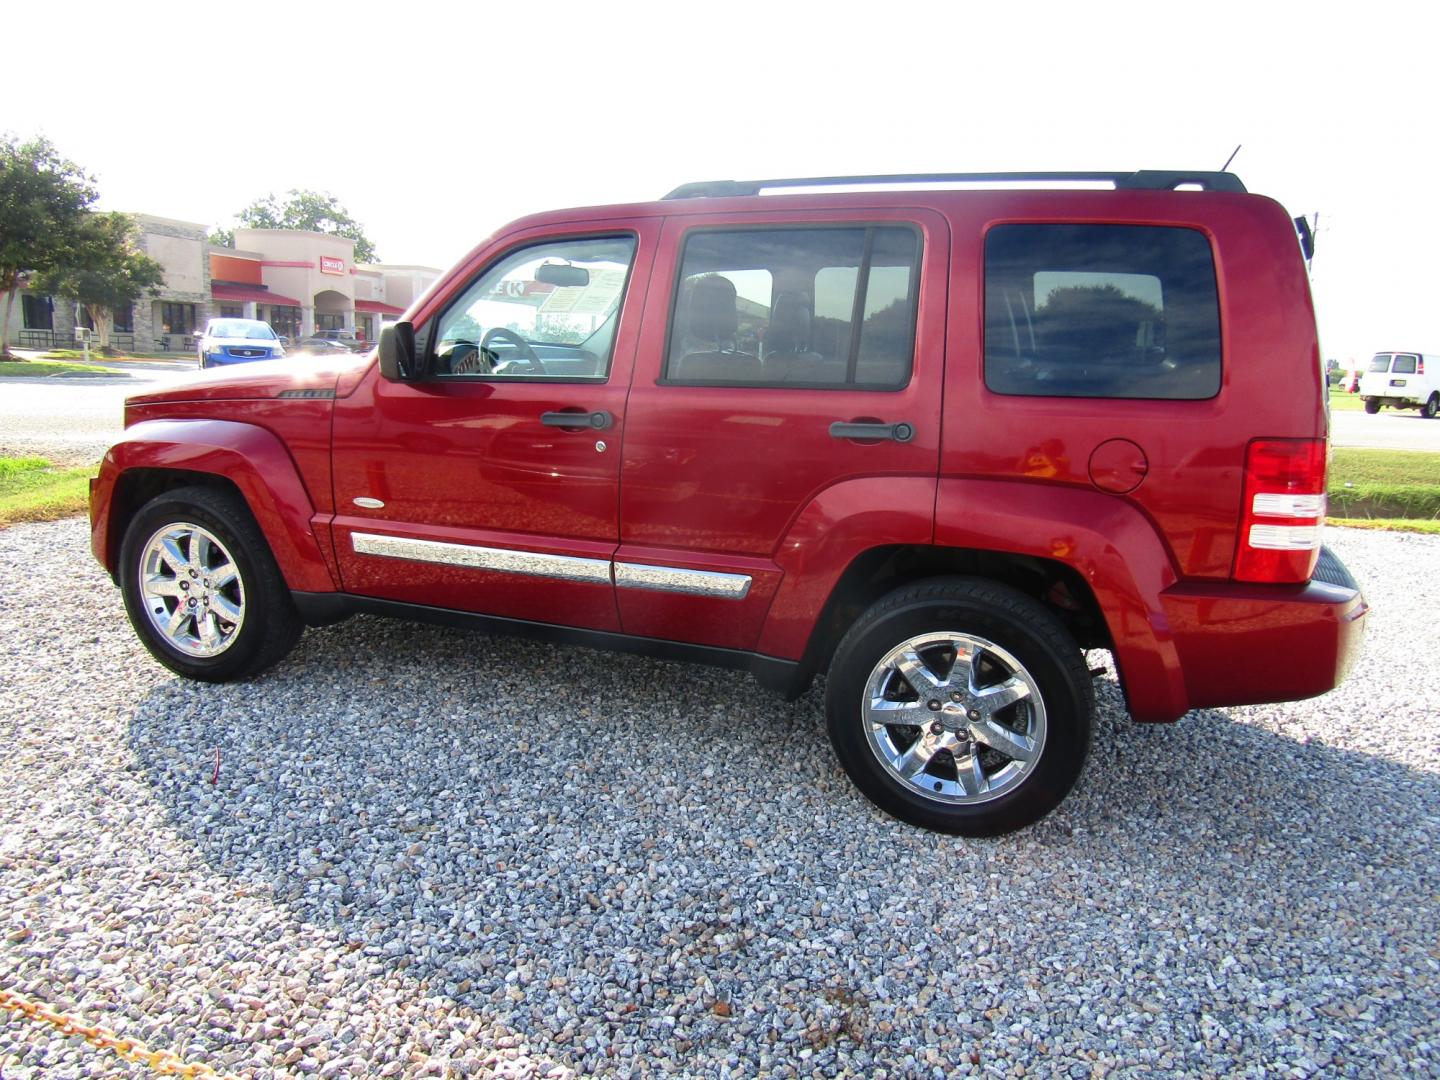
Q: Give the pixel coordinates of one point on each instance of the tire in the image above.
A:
(1431, 408)
(1028, 691)
(1372, 406)
(200, 547)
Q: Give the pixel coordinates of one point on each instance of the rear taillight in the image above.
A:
(1420, 366)
(1283, 512)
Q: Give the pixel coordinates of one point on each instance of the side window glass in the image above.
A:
(824, 307)
(545, 311)
(1118, 311)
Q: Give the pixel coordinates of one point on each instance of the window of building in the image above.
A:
(177, 318)
(545, 311)
(329, 322)
(122, 319)
(285, 321)
(1120, 311)
(232, 311)
(822, 307)
(37, 311)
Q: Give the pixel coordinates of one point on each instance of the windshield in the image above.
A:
(239, 328)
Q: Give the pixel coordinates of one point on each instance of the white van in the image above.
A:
(1402, 380)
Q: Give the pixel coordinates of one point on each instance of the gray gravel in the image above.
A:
(433, 853)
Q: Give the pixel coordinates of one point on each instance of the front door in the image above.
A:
(492, 485)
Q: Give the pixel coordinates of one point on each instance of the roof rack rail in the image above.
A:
(1144, 180)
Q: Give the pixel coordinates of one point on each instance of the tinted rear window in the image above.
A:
(1380, 363)
(1122, 311)
(1404, 365)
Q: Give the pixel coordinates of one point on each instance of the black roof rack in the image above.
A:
(1144, 180)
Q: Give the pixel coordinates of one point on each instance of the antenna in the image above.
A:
(1226, 166)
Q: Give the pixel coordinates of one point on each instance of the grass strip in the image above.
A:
(31, 489)
(1385, 484)
(39, 368)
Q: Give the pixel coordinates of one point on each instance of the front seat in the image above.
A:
(711, 317)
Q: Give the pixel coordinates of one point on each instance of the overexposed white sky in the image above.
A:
(434, 124)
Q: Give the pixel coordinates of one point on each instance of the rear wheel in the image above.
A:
(1372, 406)
(202, 589)
(1431, 408)
(960, 705)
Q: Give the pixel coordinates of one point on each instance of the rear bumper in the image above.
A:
(1253, 644)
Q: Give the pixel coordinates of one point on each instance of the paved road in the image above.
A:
(1388, 430)
(71, 421)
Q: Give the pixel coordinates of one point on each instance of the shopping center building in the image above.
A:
(298, 282)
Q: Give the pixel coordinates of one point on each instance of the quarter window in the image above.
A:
(824, 308)
(545, 311)
(1114, 311)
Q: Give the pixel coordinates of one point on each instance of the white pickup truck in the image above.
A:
(1402, 380)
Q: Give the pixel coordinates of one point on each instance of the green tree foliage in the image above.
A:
(104, 270)
(313, 211)
(43, 203)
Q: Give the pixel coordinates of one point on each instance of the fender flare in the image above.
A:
(1110, 544)
(1107, 541)
(251, 458)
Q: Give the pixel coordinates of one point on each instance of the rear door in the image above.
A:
(782, 355)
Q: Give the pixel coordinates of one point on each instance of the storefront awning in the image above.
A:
(376, 307)
(249, 294)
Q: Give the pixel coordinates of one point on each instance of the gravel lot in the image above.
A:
(433, 853)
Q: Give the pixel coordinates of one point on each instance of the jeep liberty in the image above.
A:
(930, 442)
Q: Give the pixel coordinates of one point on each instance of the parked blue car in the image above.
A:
(238, 341)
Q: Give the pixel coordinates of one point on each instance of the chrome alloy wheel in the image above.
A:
(191, 589)
(954, 717)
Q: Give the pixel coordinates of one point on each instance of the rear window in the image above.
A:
(1113, 311)
(1380, 363)
(1404, 365)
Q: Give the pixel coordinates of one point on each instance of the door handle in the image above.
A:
(857, 429)
(595, 421)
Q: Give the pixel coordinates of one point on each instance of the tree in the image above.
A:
(104, 270)
(310, 210)
(43, 203)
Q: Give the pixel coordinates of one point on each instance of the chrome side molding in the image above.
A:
(565, 567)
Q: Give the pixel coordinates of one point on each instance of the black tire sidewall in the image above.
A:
(1067, 709)
(218, 515)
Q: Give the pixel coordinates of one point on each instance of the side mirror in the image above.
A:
(398, 359)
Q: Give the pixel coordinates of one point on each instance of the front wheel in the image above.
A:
(1431, 408)
(202, 589)
(960, 705)
(1372, 406)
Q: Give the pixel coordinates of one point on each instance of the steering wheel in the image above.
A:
(527, 354)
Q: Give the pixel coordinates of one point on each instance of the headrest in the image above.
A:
(711, 315)
(789, 329)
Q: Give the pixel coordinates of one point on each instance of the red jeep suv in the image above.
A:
(931, 442)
